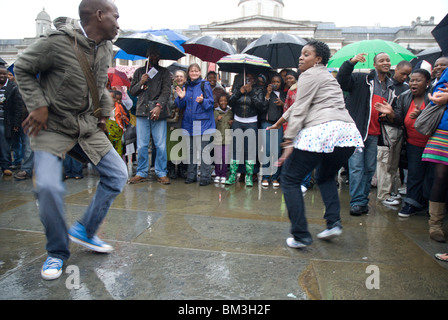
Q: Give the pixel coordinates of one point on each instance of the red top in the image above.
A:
(374, 125)
(290, 99)
(413, 136)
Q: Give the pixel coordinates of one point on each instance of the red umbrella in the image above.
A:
(208, 48)
(118, 78)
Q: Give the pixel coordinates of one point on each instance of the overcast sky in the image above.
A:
(18, 16)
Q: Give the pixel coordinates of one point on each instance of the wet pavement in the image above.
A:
(191, 242)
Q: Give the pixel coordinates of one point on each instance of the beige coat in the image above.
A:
(62, 87)
(319, 99)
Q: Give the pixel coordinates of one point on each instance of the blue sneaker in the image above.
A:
(78, 234)
(52, 268)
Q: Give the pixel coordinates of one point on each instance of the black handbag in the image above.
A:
(129, 134)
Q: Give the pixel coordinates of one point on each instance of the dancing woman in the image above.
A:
(320, 134)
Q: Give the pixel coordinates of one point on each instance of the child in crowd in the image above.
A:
(117, 122)
(223, 120)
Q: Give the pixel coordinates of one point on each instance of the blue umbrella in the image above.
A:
(121, 54)
(11, 69)
(174, 37)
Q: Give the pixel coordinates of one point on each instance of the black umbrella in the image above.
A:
(139, 43)
(440, 33)
(177, 66)
(3, 62)
(430, 55)
(281, 50)
(208, 48)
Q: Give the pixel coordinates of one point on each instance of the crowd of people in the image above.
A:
(283, 127)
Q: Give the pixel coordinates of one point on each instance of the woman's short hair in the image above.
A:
(424, 72)
(322, 50)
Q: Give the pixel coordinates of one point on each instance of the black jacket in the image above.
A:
(246, 105)
(271, 112)
(404, 101)
(359, 100)
(158, 88)
(13, 108)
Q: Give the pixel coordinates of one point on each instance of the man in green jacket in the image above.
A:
(62, 119)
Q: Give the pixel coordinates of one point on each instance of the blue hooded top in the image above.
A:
(198, 118)
(441, 84)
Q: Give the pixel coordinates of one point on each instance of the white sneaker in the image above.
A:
(328, 234)
(391, 202)
(217, 179)
(304, 189)
(223, 180)
(395, 196)
(292, 243)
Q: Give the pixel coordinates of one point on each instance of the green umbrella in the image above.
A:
(396, 52)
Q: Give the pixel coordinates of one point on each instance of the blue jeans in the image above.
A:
(362, 166)
(307, 180)
(50, 191)
(5, 148)
(27, 153)
(72, 167)
(296, 167)
(420, 177)
(146, 128)
(273, 158)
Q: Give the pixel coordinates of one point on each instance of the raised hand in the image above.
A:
(180, 92)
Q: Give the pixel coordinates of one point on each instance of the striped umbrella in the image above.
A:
(242, 63)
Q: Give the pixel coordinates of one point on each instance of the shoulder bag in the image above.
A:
(90, 78)
(429, 119)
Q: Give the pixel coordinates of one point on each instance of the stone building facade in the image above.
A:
(259, 17)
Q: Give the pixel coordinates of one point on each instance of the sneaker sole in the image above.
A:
(290, 242)
(50, 276)
(391, 203)
(330, 236)
(90, 246)
(401, 215)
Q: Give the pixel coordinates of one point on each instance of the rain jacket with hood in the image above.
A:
(49, 74)
(197, 112)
